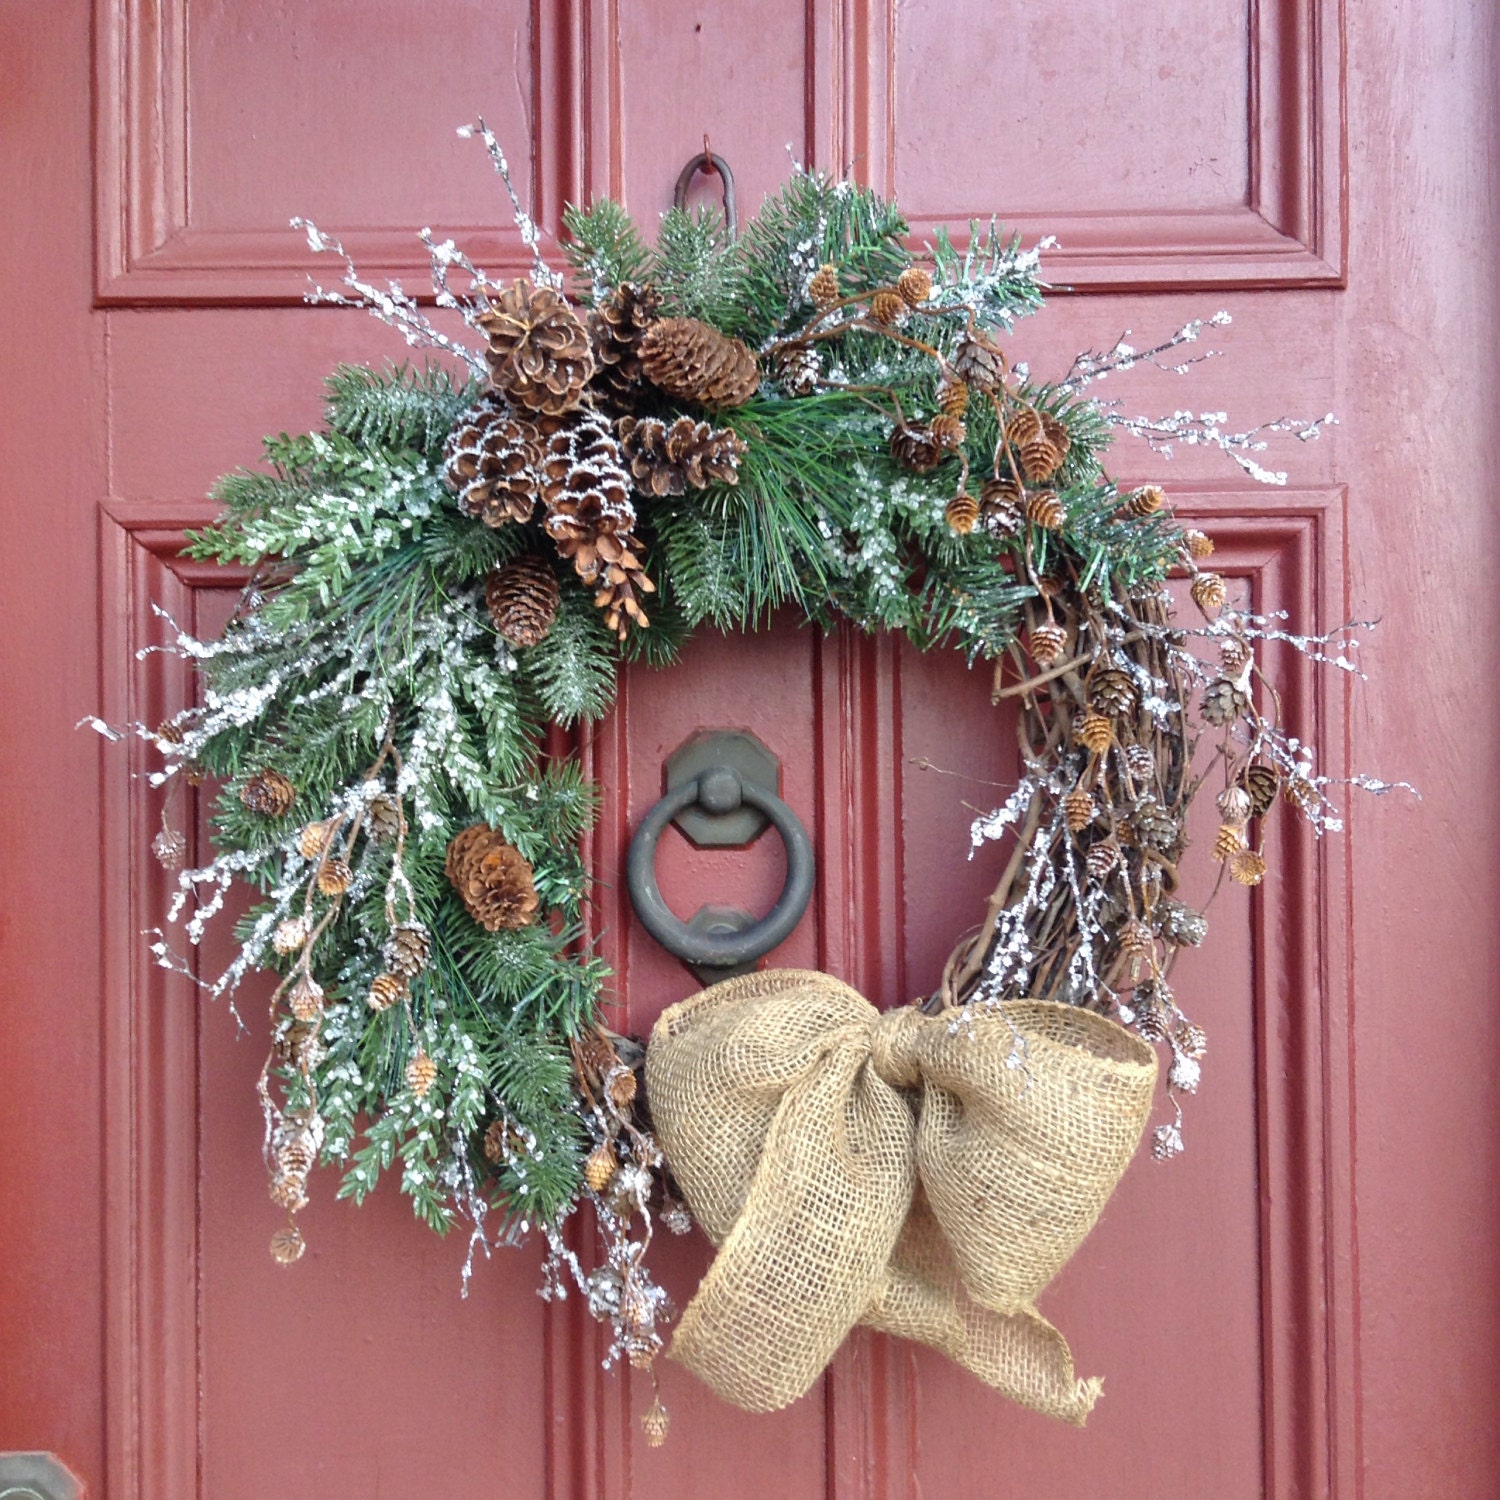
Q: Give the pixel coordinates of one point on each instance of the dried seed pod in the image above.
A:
(1228, 841)
(421, 1074)
(962, 514)
(1046, 642)
(1044, 509)
(305, 998)
(1094, 732)
(1198, 543)
(915, 286)
(386, 990)
(1078, 809)
(823, 288)
(887, 307)
(1209, 592)
(268, 793)
(287, 1245)
(1234, 804)
(1247, 867)
(335, 877)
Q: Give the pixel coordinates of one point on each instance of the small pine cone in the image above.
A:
(1112, 692)
(314, 838)
(1040, 460)
(1046, 642)
(386, 990)
(495, 1141)
(887, 307)
(600, 1167)
(291, 934)
(1046, 510)
(675, 1217)
(915, 448)
(268, 793)
(669, 459)
(170, 848)
(1235, 655)
(621, 584)
(1190, 1040)
(962, 514)
(1198, 543)
(1056, 434)
(947, 432)
(1136, 939)
(616, 327)
(299, 1044)
(622, 1088)
(1153, 826)
(799, 369)
(421, 1073)
(169, 734)
(1145, 502)
(539, 352)
(289, 1192)
(823, 289)
(979, 363)
(408, 948)
(305, 998)
(1153, 1006)
(952, 396)
(698, 364)
(1094, 732)
(1140, 762)
(1002, 505)
(1302, 794)
(1024, 427)
(1228, 841)
(655, 1424)
(522, 596)
(1078, 809)
(1234, 804)
(297, 1155)
(915, 286)
(383, 818)
(1246, 867)
(596, 1054)
(1224, 702)
(490, 462)
(1180, 924)
(335, 877)
(1209, 592)
(287, 1245)
(1262, 782)
(1102, 859)
(492, 879)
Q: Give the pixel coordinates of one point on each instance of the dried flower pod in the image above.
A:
(915, 448)
(1228, 841)
(287, 1245)
(1209, 592)
(335, 877)
(1247, 867)
(655, 1424)
(386, 990)
(600, 1167)
(1198, 543)
(305, 998)
(1145, 502)
(952, 396)
(915, 286)
(291, 934)
(1046, 642)
(1094, 732)
(823, 289)
(1078, 809)
(962, 514)
(170, 848)
(1224, 701)
(947, 432)
(1044, 509)
(268, 793)
(887, 307)
(421, 1073)
(1262, 782)
(1234, 804)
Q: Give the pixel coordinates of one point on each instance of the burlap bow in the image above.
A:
(888, 1169)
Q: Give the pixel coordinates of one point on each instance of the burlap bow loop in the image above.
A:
(895, 1170)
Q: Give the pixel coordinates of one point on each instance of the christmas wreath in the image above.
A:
(805, 417)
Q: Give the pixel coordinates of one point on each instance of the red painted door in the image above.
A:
(1302, 1304)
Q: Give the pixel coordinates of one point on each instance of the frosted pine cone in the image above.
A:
(491, 460)
(823, 288)
(979, 363)
(915, 448)
(1224, 702)
(386, 990)
(1208, 592)
(1180, 924)
(170, 848)
(421, 1074)
(798, 369)
(1002, 506)
(1112, 692)
(268, 793)
(1145, 502)
(408, 949)
(586, 489)
(383, 818)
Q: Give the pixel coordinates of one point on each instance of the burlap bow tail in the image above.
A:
(855, 1167)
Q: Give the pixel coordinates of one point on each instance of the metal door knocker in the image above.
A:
(709, 161)
(718, 790)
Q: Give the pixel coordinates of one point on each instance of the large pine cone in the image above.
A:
(698, 364)
(522, 596)
(586, 490)
(665, 460)
(539, 353)
(490, 461)
(492, 879)
(616, 328)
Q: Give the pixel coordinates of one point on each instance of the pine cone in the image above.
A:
(1046, 642)
(621, 583)
(979, 363)
(798, 368)
(600, 1167)
(655, 1424)
(1078, 809)
(616, 327)
(1224, 702)
(947, 432)
(1180, 924)
(522, 597)
(1102, 859)
(1209, 592)
(915, 448)
(1001, 503)
(1111, 691)
(492, 879)
(1044, 509)
(586, 491)
(495, 1141)
(887, 307)
(667, 460)
(1302, 794)
(1136, 939)
(1152, 1003)
(1094, 732)
(695, 363)
(1153, 826)
(335, 877)
(1235, 655)
(1144, 502)
(1199, 544)
(291, 934)
(952, 396)
(386, 990)
(915, 286)
(268, 793)
(962, 514)
(1024, 427)
(1262, 782)
(383, 818)
(421, 1074)
(1190, 1040)
(1228, 840)
(1247, 867)
(305, 998)
(314, 838)
(490, 462)
(823, 288)
(539, 352)
(170, 848)
(1140, 762)
(408, 948)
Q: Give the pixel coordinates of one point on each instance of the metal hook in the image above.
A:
(709, 162)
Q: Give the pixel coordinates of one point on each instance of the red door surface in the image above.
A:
(1303, 1304)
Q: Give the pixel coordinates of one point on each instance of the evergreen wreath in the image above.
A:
(693, 433)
